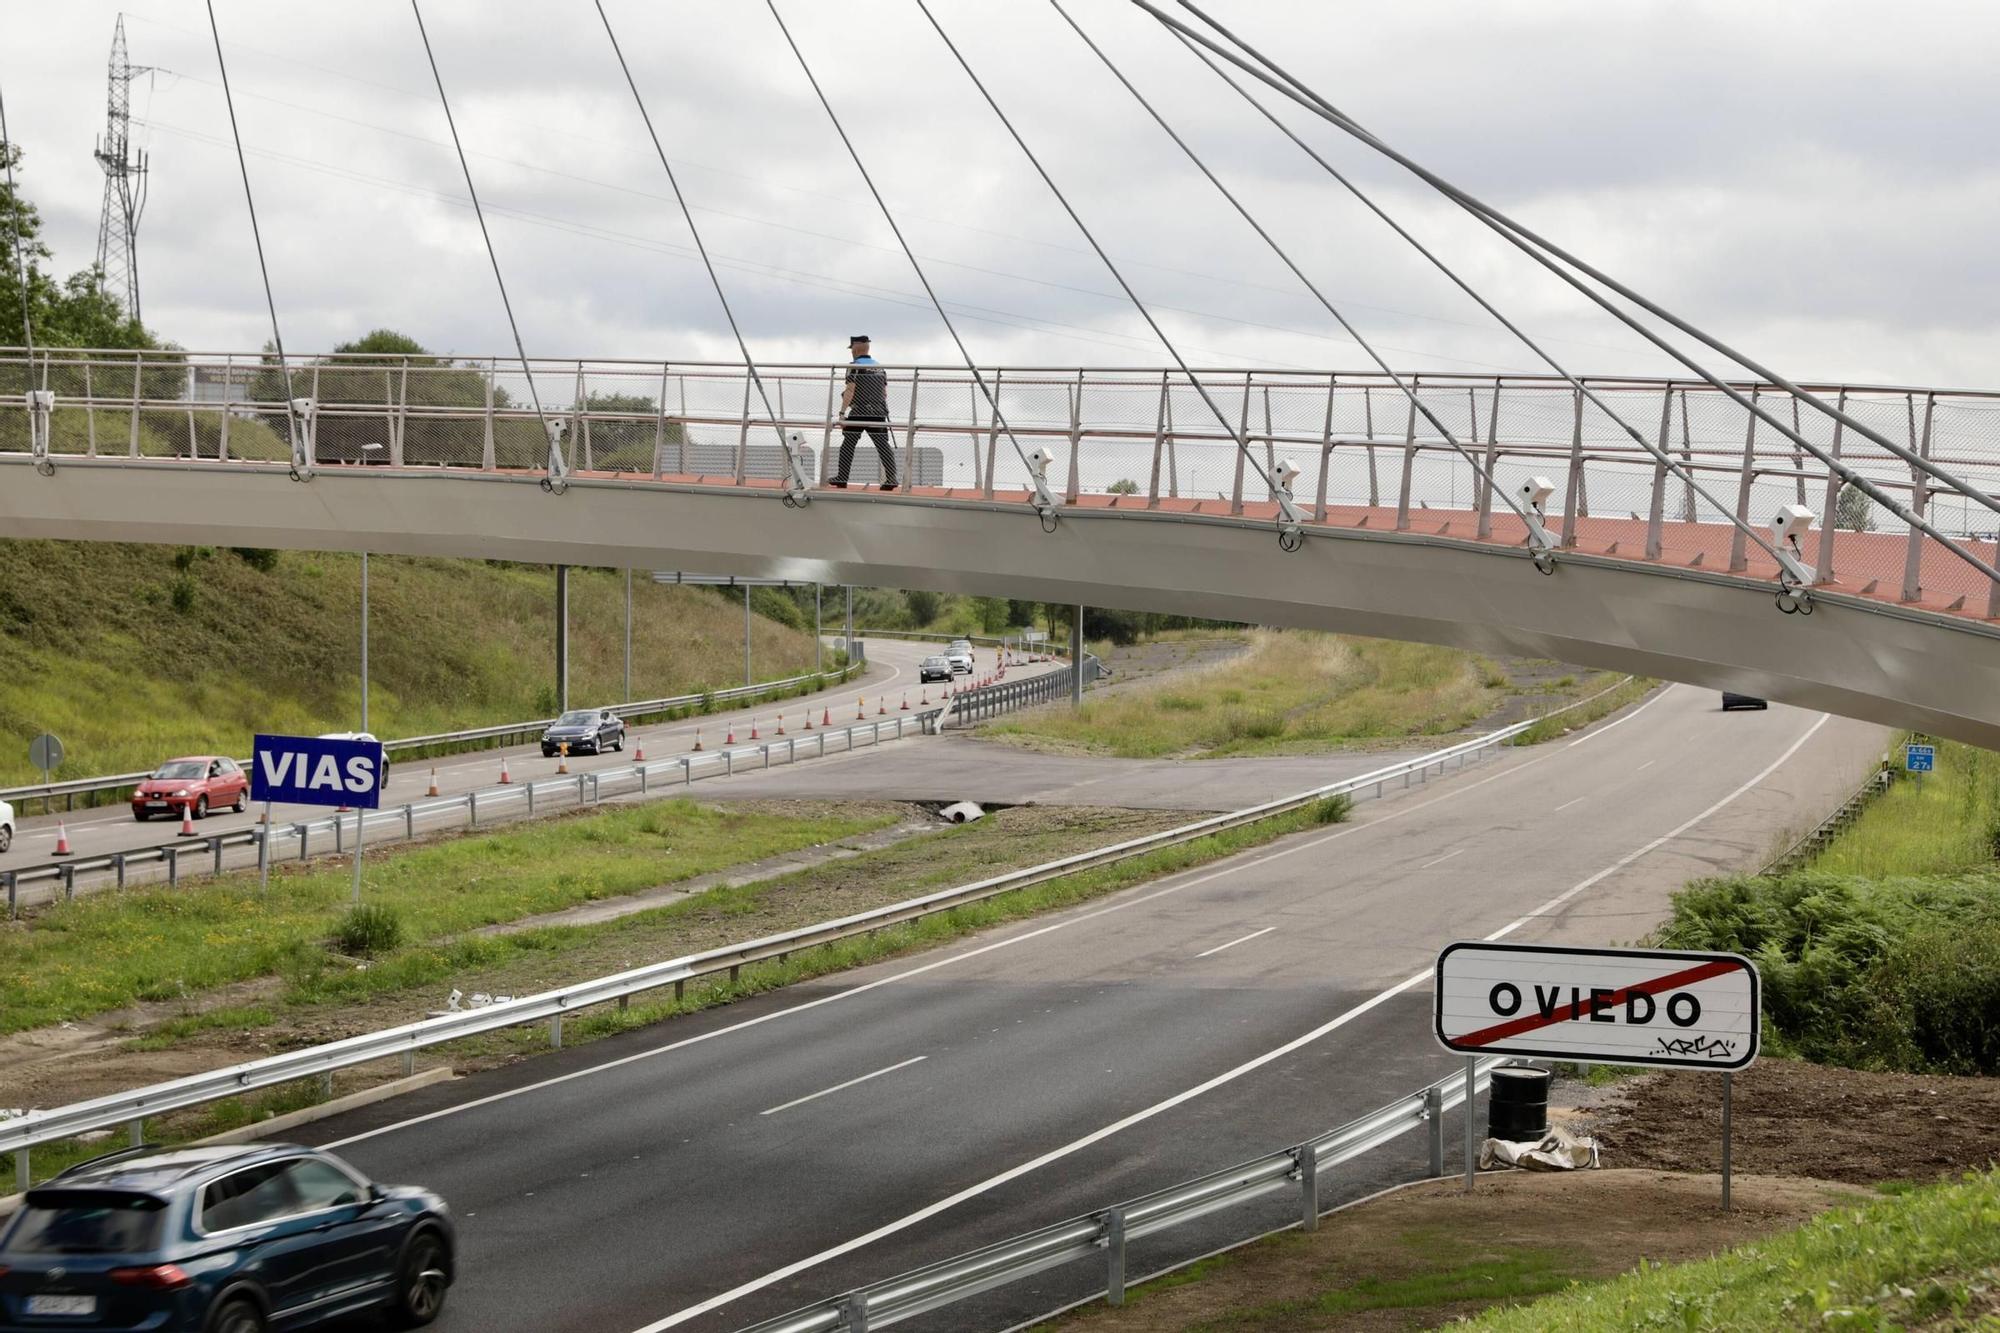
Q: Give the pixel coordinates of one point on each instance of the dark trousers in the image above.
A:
(851, 432)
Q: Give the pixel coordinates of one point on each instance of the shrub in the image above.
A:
(1332, 809)
(260, 558)
(367, 930)
(183, 593)
(1123, 486)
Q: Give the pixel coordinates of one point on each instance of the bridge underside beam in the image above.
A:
(1857, 658)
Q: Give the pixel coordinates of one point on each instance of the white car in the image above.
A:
(359, 736)
(959, 654)
(6, 826)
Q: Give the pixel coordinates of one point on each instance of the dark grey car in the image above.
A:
(585, 731)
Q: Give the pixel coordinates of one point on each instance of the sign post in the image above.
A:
(46, 753)
(1919, 758)
(315, 770)
(1599, 1006)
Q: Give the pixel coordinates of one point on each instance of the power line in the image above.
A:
(1044, 502)
(558, 470)
(1292, 521)
(799, 490)
(257, 236)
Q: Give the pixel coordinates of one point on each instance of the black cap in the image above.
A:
(860, 338)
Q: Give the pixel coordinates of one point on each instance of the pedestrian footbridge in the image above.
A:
(1660, 561)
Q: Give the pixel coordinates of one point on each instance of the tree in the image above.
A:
(384, 367)
(923, 606)
(1851, 510)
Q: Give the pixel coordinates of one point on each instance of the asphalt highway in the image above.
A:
(732, 1165)
(891, 675)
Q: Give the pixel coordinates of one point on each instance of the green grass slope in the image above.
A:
(134, 653)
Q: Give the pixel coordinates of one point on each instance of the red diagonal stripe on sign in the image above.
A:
(1514, 1027)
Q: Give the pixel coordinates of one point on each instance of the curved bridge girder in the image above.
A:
(1856, 657)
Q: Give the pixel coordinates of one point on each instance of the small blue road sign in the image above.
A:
(1919, 758)
(314, 770)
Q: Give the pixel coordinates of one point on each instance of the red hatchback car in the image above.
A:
(197, 783)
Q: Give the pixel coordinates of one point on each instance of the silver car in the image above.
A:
(959, 654)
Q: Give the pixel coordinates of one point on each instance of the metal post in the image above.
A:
(1308, 1160)
(819, 641)
(855, 1313)
(364, 640)
(555, 1033)
(138, 1130)
(1471, 1152)
(1076, 660)
(360, 821)
(1434, 1115)
(628, 636)
(1728, 1079)
(22, 1179)
(1114, 1245)
(264, 851)
(850, 624)
(562, 638)
(1656, 515)
(1738, 561)
(746, 635)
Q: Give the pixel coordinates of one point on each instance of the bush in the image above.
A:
(367, 930)
(1332, 809)
(183, 593)
(923, 606)
(260, 558)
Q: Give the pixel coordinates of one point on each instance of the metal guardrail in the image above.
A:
(992, 700)
(628, 711)
(638, 778)
(1104, 1235)
(1821, 834)
(19, 1134)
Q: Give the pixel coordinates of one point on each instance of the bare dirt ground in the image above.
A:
(1794, 1118)
(1137, 662)
(1806, 1137)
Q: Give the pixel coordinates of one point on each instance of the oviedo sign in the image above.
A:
(314, 770)
(1605, 1006)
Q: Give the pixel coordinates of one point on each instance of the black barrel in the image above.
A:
(1517, 1109)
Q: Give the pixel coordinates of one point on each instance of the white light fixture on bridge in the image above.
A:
(305, 410)
(1288, 472)
(41, 407)
(558, 479)
(1533, 494)
(1792, 522)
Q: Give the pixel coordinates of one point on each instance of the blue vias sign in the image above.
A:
(310, 770)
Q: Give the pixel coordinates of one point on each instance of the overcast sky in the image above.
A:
(1816, 181)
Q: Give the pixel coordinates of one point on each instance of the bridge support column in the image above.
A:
(1076, 660)
(562, 638)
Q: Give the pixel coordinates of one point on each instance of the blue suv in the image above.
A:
(239, 1239)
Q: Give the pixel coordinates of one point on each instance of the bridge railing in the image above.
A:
(1364, 456)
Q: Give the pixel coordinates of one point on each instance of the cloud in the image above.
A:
(1802, 176)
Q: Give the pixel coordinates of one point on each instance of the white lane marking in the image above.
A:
(1233, 943)
(1442, 859)
(1564, 806)
(1234, 865)
(1229, 1076)
(823, 1092)
(1643, 767)
(1613, 726)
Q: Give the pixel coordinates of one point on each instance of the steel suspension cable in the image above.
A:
(1292, 522)
(1664, 458)
(556, 481)
(1044, 502)
(798, 492)
(1408, 390)
(1319, 107)
(1518, 233)
(257, 236)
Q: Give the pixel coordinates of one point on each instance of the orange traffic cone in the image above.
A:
(906, 702)
(62, 839)
(730, 739)
(504, 779)
(697, 738)
(434, 782)
(860, 709)
(638, 753)
(753, 728)
(881, 708)
(187, 820)
(925, 700)
(562, 757)
(781, 724)
(826, 717)
(809, 719)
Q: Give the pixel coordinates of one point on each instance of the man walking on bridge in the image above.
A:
(864, 405)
